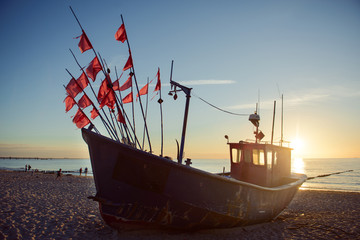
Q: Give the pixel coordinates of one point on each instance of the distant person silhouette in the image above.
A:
(86, 171)
(58, 174)
(80, 171)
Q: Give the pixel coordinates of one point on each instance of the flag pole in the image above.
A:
(102, 66)
(146, 110)
(132, 107)
(92, 89)
(82, 111)
(137, 88)
(160, 101)
(117, 123)
(117, 100)
(122, 106)
(110, 86)
(105, 124)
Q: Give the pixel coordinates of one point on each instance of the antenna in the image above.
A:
(282, 119)
(258, 104)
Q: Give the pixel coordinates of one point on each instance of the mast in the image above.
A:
(282, 119)
(187, 92)
(272, 131)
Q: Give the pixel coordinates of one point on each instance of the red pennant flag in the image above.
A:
(93, 68)
(83, 81)
(158, 84)
(94, 113)
(143, 90)
(84, 102)
(84, 43)
(120, 117)
(80, 119)
(128, 98)
(109, 100)
(69, 103)
(120, 34)
(73, 88)
(103, 90)
(129, 63)
(116, 84)
(127, 84)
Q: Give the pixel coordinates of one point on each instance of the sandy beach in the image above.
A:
(39, 206)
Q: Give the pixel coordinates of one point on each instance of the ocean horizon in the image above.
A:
(338, 174)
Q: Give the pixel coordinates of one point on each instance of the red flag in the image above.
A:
(116, 84)
(128, 98)
(158, 84)
(94, 113)
(143, 90)
(120, 34)
(129, 63)
(84, 43)
(83, 81)
(80, 119)
(120, 117)
(93, 68)
(109, 100)
(69, 103)
(127, 84)
(103, 90)
(84, 102)
(73, 88)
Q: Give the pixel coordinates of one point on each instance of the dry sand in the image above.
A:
(37, 206)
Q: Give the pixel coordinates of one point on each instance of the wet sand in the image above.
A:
(37, 206)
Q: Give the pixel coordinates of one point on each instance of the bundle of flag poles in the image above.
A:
(108, 102)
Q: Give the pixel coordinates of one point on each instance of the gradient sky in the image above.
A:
(231, 53)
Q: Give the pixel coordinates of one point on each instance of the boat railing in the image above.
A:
(283, 143)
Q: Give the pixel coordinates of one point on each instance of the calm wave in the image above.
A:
(347, 181)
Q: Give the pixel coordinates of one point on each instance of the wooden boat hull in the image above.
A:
(136, 189)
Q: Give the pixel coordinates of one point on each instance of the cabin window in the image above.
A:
(258, 157)
(275, 158)
(269, 159)
(247, 156)
(236, 155)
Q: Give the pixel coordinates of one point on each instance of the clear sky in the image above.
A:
(231, 53)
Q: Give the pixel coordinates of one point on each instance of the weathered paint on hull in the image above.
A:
(138, 189)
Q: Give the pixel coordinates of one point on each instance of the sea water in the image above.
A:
(68, 165)
(312, 167)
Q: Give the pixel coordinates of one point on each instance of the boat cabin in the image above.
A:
(261, 164)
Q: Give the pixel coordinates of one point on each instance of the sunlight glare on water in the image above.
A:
(298, 165)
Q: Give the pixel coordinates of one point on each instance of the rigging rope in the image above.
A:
(237, 114)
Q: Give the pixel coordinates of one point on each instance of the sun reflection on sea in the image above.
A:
(298, 165)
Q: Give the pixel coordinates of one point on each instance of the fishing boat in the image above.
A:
(140, 189)
(137, 189)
